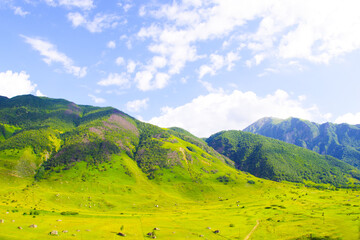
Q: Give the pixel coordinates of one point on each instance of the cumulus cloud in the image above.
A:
(146, 80)
(218, 111)
(115, 79)
(126, 5)
(137, 105)
(97, 99)
(51, 54)
(283, 31)
(82, 4)
(19, 11)
(131, 66)
(218, 62)
(119, 61)
(350, 118)
(13, 84)
(111, 44)
(39, 93)
(97, 24)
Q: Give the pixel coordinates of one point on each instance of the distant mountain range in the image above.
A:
(338, 140)
(41, 138)
(276, 160)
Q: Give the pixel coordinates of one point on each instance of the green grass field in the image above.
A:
(122, 199)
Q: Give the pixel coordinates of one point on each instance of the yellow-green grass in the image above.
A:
(117, 197)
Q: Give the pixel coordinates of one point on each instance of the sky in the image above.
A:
(202, 65)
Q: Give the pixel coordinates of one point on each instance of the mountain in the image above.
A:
(276, 160)
(42, 138)
(338, 140)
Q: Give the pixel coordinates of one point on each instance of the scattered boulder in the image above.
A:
(149, 234)
(216, 231)
(88, 230)
(121, 234)
(156, 205)
(59, 220)
(65, 231)
(201, 235)
(19, 227)
(78, 230)
(33, 226)
(157, 229)
(13, 220)
(54, 233)
(2, 220)
(208, 228)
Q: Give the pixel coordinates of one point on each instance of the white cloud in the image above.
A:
(131, 66)
(218, 62)
(119, 61)
(19, 11)
(83, 4)
(137, 105)
(209, 87)
(51, 54)
(97, 99)
(147, 81)
(111, 44)
(218, 111)
(142, 11)
(158, 62)
(126, 6)
(121, 80)
(39, 94)
(161, 80)
(143, 80)
(13, 83)
(282, 31)
(97, 24)
(350, 118)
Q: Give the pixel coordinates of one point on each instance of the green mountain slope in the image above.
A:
(338, 140)
(42, 137)
(276, 160)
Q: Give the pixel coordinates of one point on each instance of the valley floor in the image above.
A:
(273, 211)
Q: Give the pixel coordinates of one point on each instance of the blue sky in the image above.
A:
(203, 65)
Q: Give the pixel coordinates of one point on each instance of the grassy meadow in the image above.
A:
(116, 196)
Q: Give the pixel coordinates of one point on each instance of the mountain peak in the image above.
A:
(338, 140)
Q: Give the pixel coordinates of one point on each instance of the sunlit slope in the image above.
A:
(56, 140)
(273, 159)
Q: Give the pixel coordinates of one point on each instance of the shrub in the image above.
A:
(35, 212)
(69, 213)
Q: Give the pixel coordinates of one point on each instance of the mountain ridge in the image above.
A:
(280, 161)
(338, 140)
